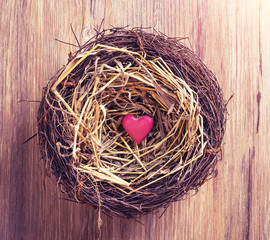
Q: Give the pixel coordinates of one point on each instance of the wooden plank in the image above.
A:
(231, 37)
(7, 111)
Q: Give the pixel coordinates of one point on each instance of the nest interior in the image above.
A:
(120, 72)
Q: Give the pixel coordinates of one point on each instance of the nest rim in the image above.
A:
(86, 189)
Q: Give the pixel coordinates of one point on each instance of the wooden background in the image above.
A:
(231, 37)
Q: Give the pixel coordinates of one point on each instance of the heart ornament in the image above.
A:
(137, 128)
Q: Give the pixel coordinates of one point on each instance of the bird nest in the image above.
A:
(118, 73)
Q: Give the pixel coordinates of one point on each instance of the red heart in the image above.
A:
(137, 128)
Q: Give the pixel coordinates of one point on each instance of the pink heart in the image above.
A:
(137, 128)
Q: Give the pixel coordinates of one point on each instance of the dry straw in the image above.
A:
(122, 72)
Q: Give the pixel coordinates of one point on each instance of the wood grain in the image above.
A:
(231, 37)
